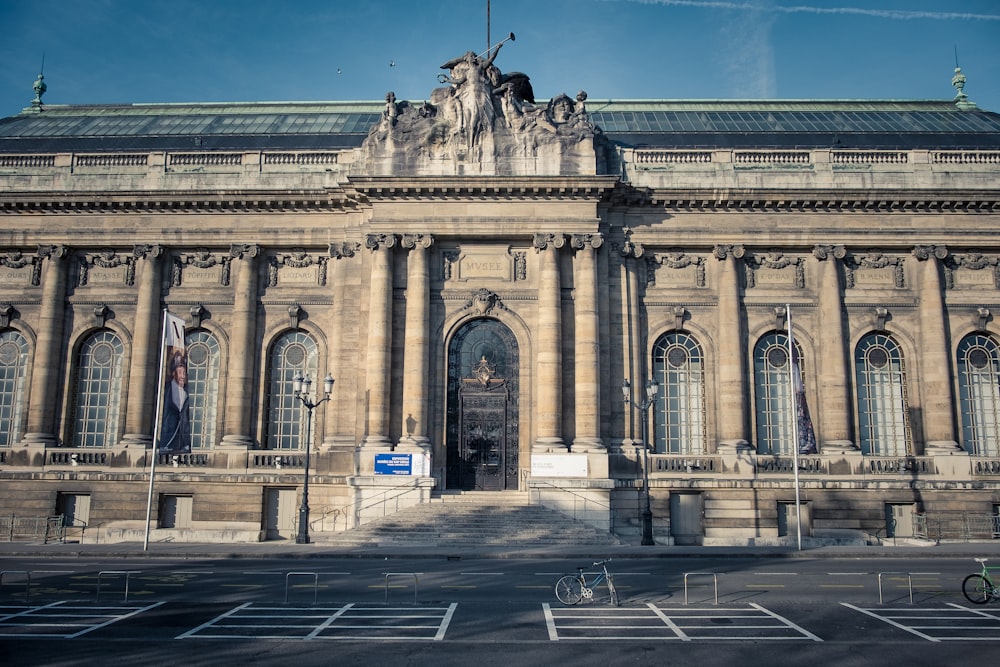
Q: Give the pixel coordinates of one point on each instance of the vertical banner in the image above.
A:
(175, 421)
(806, 440)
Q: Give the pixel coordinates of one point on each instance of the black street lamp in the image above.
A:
(652, 388)
(300, 389)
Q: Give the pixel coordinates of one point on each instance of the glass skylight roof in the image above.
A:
(677, 123)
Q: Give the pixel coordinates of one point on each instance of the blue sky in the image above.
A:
(134, 51)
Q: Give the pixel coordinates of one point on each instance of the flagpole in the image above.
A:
(795, 424)
(156, 428)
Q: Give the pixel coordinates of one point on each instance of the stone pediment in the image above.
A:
(484, 122)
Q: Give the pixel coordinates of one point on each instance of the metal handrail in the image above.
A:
(612, 512)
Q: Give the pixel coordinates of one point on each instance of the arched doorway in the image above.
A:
(482, 434)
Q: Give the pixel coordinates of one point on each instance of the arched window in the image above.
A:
(203, 366)
(679, 417)
(13, 373)
(773, 400)
(98, 393)
(295, 353)
(883, 410)
(979, 394)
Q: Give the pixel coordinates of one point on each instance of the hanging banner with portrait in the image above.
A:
(175, 421)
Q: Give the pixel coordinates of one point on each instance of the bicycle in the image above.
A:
(573, 588)
(979, 588)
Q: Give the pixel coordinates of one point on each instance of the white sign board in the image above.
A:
(558, 465)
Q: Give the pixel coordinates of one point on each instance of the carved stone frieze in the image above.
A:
(686, 270)
(296, 268)
(873, 268)
(774, 268)
(971, 270)
(106, 267)
(18, 268)
(201, 267)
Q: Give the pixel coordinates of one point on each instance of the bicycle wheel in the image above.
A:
(614, 592)
(569, 590)
(977, 590)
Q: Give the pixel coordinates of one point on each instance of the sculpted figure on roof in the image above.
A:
(484, 122)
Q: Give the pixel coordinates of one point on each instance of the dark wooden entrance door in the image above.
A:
(483, 444)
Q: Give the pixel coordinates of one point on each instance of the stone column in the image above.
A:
(415, 355)
(548, 358)
(731, 404)
(633, 367)
(339, 421)
(379, 357)
(242, 348)
(43, 398)
(145, 347)
(833, 371)
(587, 344)
(936, 392)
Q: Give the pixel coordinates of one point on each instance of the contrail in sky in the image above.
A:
(897, 14)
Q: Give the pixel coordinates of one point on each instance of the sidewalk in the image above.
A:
(285, 550)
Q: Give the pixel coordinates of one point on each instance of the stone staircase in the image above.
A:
(472, 519)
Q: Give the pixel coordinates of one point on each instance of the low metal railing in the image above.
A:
(46, 529)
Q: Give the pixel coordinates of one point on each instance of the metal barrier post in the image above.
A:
(401, 574)
(909, 580)
(27, 583)
(303, 574)
(715, 581)
(127, 573)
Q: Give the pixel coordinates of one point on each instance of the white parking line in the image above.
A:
(752, 623)
(312, 623)
(68, 618)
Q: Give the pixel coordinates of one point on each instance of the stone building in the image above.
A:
(480, 274)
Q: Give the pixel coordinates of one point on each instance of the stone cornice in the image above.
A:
(815, 201)
(427, 188)
(47, 203)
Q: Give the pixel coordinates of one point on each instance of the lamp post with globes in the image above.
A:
(652, 388)
(300, 389)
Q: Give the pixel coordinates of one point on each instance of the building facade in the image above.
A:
(480, 274)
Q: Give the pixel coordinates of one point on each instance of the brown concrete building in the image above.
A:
(480, 274)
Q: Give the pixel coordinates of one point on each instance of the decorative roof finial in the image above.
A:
(961, 99)
(39, 87)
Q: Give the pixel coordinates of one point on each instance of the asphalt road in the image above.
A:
(82, 611)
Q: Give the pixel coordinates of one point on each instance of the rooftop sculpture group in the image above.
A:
(484, 122)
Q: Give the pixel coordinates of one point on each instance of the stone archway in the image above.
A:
(482, 421)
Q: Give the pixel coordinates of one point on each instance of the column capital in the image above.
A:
(822, 252)
(54, 251)
(548, 241)
(147, 250)
(411, 241)
(380, 241)
(243, 250)
(583, 241)
(344, 249)
(923, 252)
(723, 251)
